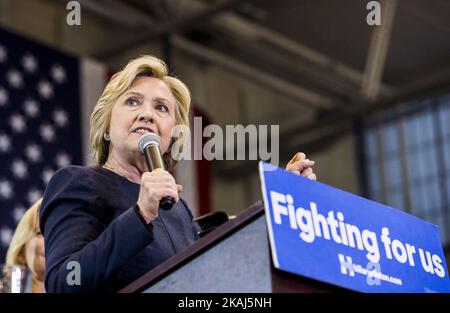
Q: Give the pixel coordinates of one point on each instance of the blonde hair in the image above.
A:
(23, 233)
(120, 82)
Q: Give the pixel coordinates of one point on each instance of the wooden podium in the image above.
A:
(233, 258)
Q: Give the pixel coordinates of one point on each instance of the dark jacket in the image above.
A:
(89, 216)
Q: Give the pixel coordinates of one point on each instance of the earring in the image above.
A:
(106, 137)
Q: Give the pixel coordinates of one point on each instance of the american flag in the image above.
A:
(39, 124)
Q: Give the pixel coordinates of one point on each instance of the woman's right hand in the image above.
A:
(156, 185)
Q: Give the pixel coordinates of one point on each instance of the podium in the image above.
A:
(234, 258)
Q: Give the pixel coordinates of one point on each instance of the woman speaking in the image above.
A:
(102, 225)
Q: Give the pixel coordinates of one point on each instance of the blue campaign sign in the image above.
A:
(330, 235)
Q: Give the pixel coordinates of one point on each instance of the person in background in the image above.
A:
(27, 249)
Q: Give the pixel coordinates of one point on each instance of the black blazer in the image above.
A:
(88, 215)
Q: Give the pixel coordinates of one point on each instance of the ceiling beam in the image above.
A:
(158, 29)
(302, 95)
(376, 55)
(326, 73)
(310, 63)
(319, 79)
(259, 34)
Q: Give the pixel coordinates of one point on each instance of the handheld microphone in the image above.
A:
(149, 144)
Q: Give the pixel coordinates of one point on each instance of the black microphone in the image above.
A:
(149, 144)
(210, 221)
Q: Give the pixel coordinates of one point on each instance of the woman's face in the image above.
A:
(35, 254)
(148, 105)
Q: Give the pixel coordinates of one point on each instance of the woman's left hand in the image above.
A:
(300, 165)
